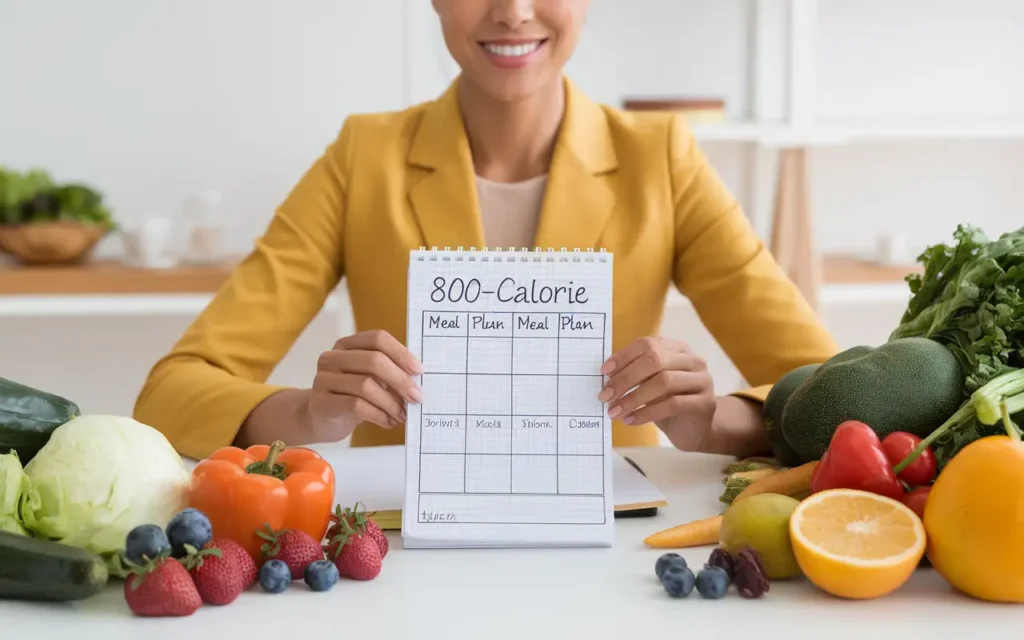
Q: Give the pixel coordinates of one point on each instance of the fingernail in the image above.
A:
(416, 366)
(606, 394)
(608, 367)
(614, 412)
(416, 393)
(629, 420)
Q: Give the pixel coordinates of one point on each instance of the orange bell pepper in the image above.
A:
(244, 491)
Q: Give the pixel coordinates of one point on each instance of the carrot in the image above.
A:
(790, 482)
(691, 534)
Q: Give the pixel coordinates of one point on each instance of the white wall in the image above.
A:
(152, 101)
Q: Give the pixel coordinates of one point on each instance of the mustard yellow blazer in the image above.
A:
(635, 184)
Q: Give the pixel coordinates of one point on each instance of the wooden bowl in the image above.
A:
(42, 243)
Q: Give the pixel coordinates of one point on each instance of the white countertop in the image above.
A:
(535, 594)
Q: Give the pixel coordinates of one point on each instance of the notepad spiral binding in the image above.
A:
(511, 254)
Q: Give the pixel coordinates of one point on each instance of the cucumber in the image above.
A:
(28, 417)
(46, 571)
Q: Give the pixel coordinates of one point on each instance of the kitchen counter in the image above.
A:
(109, 288)
(546, 593)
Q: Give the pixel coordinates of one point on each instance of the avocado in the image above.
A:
(907, 384)
(774, 403)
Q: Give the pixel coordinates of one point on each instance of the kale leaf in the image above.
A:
(970, 297)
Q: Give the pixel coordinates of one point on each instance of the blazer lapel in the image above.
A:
(444, 198)
(579, 199)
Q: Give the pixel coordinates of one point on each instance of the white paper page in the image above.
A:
(511, 445)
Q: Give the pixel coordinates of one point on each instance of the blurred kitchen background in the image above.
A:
(194, 118)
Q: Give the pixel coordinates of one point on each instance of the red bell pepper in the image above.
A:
(855, 460)
(919, 472)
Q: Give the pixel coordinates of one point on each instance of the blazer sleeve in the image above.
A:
(752, 309)
(201, 392)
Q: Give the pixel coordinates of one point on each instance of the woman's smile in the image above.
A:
(512, 54)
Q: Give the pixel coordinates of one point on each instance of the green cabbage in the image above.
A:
(13, 484)
(97, 478)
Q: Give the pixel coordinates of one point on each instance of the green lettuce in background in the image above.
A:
(33, 196)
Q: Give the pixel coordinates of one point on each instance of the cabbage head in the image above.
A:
(97, 478)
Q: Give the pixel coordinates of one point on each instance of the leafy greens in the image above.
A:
(970, 297)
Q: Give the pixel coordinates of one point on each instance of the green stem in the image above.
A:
(268, 466)
(1011, 429)
(964, 413)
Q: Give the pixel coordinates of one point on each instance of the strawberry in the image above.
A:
(160, 589)
(357, 518)
(217, 574)
(246, 565)
(296, 549)
(355, 552)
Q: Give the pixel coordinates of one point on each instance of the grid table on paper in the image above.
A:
(511, 404)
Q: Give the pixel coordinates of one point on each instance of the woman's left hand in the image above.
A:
(673, 389)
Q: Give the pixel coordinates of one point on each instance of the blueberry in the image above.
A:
(146, 542)
(321, 575)
(190, 526)
(712, 582)
(678, 581)
(666, 561)
(275, 576)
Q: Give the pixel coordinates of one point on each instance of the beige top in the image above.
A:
(510, 210)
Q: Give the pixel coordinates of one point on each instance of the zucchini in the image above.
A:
(28, 417)
(43, 570)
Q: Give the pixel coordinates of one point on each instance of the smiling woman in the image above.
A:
(512, 154)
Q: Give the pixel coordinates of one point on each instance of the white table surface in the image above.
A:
(533, 594)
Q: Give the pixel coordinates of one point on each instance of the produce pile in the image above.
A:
(87, 498)
(889, 456)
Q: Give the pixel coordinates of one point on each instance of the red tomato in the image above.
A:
(917, 499)
(898, 446)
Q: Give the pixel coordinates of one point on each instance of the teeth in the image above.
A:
(512, 51)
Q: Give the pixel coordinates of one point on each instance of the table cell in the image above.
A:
(443, 434)
(534, 395)
(489, 434)
(489, 355)
(581, 325)
(580, 356)
(536, 435)
(445, 323)
(444, 394)
(535, 356)
(488, 473)
(534, 474)
(535, 325)
(581, 475)
(444, 354)
(442, 473)
(488, 394)
(581, 436)
(577, 396)
(513, 509)
(495, 324)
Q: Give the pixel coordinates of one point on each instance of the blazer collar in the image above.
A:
(577, 201)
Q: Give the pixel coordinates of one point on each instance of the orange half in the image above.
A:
(855, 544)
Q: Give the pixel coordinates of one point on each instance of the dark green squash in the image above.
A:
(46, 571)
(29, 416)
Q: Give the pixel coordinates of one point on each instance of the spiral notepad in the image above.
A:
(510, 446)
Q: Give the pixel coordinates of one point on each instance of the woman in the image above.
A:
(512, 154)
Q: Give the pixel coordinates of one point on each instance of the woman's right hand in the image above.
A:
(366, 377)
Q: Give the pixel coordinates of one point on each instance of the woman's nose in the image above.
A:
(512, 13)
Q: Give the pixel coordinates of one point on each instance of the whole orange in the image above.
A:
(974, 519)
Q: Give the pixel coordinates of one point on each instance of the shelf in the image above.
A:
(835, 133)
(112, 289)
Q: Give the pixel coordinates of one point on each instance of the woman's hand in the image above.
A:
(365, 377)
(670, 386)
